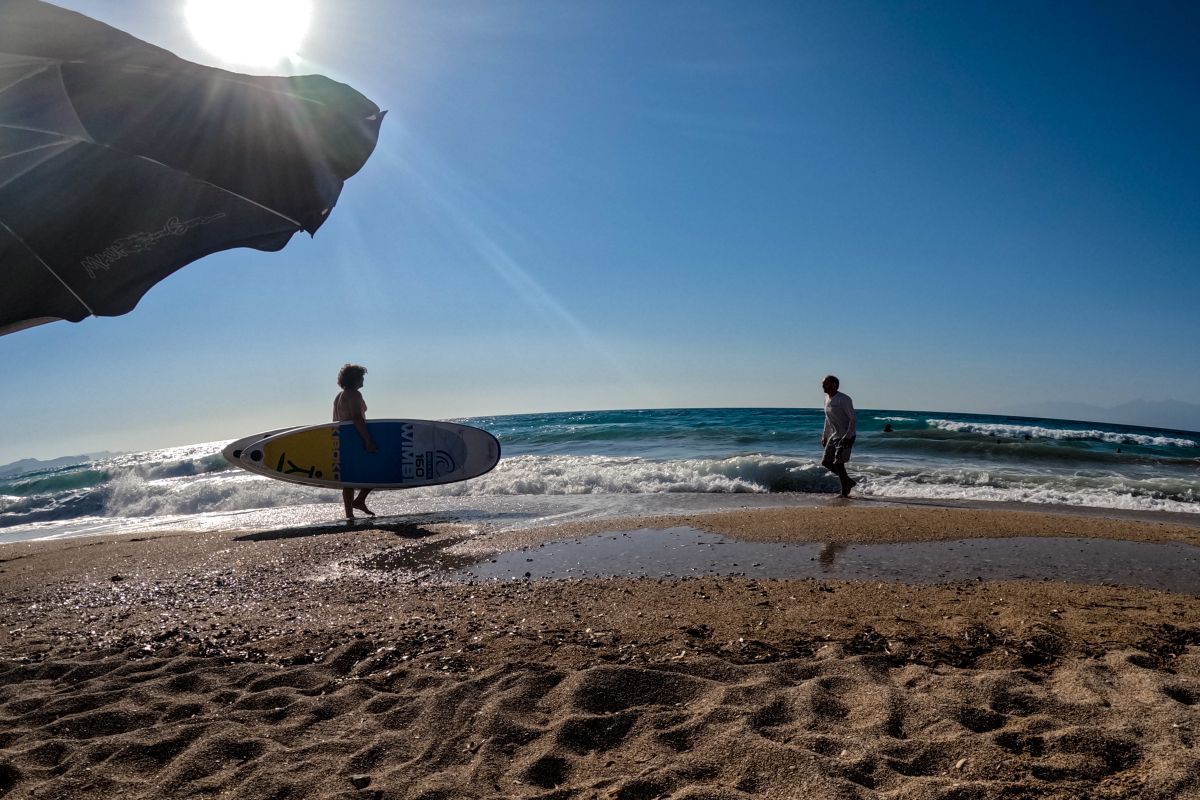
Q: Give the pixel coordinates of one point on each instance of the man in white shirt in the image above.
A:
(840, 429)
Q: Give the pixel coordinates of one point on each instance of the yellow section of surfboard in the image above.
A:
(305, 454)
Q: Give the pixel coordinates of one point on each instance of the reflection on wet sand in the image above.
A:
(828, 553)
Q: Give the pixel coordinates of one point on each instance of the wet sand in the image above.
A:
(326, 662)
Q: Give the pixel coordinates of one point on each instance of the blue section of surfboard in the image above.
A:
(411, 452)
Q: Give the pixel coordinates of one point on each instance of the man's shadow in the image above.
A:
(405, 529)
(416, 559)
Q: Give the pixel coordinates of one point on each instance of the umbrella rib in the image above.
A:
(48, 268)
(91, 140)
(13, 177)
(168, 167)
(28, 149)
(46, 64)
(11, 127)
(43, 67)
(229, 78)
(56, 66)
(176, 170)
(221, 189)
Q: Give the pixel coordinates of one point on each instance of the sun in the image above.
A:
(251, 32)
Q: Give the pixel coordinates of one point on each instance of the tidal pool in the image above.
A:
(681, 552)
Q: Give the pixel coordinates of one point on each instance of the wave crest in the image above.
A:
(1039, 432)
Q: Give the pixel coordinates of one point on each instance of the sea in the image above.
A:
(567, 466)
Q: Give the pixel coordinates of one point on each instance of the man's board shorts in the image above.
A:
(837, 451)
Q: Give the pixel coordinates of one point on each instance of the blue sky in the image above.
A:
(581, 205)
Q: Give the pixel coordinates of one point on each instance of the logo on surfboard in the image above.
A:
(421, 465)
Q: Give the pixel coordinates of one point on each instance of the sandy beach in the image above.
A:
(332, 663)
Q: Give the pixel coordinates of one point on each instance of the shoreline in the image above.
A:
(297, 662)
(483, 513)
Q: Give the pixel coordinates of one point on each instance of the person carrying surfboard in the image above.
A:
(349, 406)
(840, 430)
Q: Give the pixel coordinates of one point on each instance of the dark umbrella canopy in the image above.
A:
(121, 163)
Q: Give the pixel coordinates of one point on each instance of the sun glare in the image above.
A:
(252, 32)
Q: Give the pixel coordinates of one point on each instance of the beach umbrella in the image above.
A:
(121, 162)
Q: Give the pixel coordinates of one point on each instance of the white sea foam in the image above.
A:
(1039, 432)
(612, 475)
(895, 419)
(132, 495)
(1046, 495)
(1096, 491)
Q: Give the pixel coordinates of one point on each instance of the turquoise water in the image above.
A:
(630, 460)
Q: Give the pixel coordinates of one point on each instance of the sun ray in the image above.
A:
(462, 207)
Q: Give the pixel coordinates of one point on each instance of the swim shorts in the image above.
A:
(837, 451)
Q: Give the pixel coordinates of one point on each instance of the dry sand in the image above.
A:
(321, 662)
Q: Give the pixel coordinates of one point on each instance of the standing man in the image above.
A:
(349, 406)
(839, 433)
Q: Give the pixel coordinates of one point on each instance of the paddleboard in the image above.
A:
(412, 452)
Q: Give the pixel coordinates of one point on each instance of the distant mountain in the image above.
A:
(1172, 414)
(35, 465)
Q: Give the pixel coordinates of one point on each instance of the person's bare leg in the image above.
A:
(361, 503)
(847, 482)
(348, 501)
(844, 479)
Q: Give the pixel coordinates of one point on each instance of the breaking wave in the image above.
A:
(1040, 432)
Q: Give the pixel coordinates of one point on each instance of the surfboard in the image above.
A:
(412, 452)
